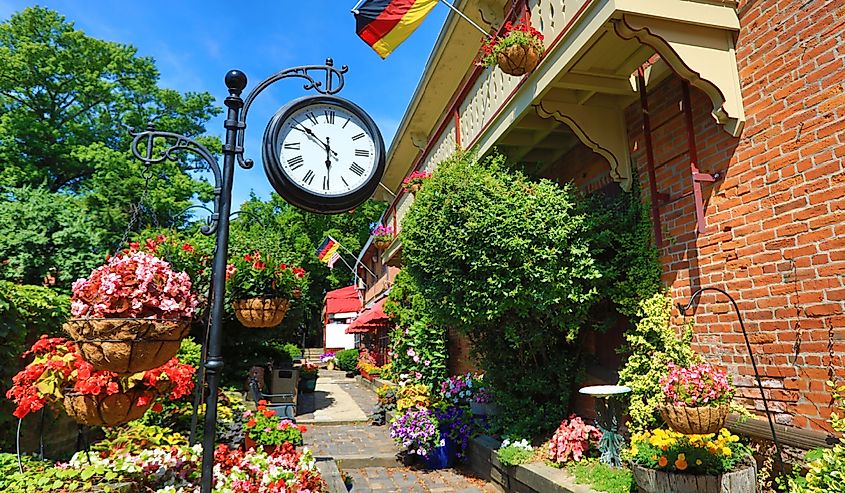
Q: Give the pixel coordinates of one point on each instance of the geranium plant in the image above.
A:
(57, 369)
(265, 427)
(259, 275)
(134, 284)
(366, 362)
(308, 370)
(414, 181)
(573, 440)
(519, 34)
(667, 450)
(418, 430)
(697, 386)
(382, 233)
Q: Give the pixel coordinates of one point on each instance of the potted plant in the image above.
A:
(367, 365)
(347, 480)
(382, 237)
(418, 431)
(265, 428)
(59, 377)
(329, 359)
(697, 398)
(517, 51)
(131, 314)
(573, 440)
(308, 377)
(414, 182)
(262, 289)
(665, 461)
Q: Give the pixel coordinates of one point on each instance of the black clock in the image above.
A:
(323, 154)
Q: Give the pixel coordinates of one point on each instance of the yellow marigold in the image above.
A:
(697, 462)
(726, 451)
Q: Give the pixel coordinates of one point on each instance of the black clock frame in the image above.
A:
(291, 190)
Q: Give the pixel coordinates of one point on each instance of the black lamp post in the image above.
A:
(684, 308)
(235, 125)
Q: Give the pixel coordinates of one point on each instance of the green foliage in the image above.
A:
(651, 345)
(26, 312)
(513, 455)
(40, 476)
(602, 477)
(507, 262)
(62, 131)
(347, 359)
(190, 352)
(419, 345)
(825, 467)
(136, 436)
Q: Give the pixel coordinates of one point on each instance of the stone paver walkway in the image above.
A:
(338, 427)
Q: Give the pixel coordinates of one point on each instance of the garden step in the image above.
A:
(331, 475)
(367, 460)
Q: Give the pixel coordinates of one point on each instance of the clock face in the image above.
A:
(323, 154)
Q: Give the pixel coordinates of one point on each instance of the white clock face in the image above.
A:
(326, 150)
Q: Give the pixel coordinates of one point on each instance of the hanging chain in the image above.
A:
(137, 209)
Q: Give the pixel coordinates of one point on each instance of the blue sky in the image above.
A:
(195, 43)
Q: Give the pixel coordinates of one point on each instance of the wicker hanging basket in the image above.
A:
(518, 60)
(695, 420)
(127, 345)
(381, 244)
(107, 410)
(260, 312)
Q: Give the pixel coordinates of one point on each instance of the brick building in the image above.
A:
(732, 116)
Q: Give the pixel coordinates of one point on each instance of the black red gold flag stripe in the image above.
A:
(385, 24)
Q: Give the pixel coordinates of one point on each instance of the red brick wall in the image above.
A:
(775, 223)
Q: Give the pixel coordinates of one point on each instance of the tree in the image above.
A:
(65, 102)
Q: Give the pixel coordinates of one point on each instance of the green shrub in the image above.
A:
(825, 467)
(347, 359)
(190, 352)
(419, 345)
(651, 345)
(512, 454)
(507, 262)
(602, 477)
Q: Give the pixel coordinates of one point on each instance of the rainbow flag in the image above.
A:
(385, 24)
(328, 252)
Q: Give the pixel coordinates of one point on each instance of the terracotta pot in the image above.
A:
(743, 480)
(127, 345)
(260, 312)
(518, 60)
(381, 244)
(107, 410)
(366, 375)
(695, 420)
(250, 443)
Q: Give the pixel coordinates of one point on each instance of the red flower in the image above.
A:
(143, 399)
(187, 247)
(248, 258)
(157, 407)
(269, 413)
(258, 265)
(250, 423)
(262, 402)
(302, 428)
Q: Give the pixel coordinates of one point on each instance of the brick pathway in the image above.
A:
(361, 447)
(404, 480)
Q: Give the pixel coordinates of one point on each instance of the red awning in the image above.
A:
(343, 300)
(369, 320)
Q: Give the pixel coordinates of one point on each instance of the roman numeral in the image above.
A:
(329, 117)
(295, 162)
(359, 136)
(312, 117)
(362, 153)
(357, 169)
(344, 181)
(309, 177)
(292, 145)
(325, 183)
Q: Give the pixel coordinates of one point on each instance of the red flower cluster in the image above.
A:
(253, 276)
(57, 367)
(134, 285)
(522, 33)
(250, 478)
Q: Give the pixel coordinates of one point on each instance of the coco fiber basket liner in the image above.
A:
(127, 345)
(518, 60)
(260, 312)
(695, 420)
(107, 410)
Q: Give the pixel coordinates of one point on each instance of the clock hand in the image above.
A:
(314, 136)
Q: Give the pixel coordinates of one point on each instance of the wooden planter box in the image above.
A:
(743, 480)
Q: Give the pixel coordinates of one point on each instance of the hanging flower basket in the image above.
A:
(382, 237)
(695, 420)
(108, 410)
(260, 312)
(131, 313)
(517, 51)
(414, 182)
(518, 60)
(381, 245)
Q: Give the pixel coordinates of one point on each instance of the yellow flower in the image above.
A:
(726, 451)
(697, 462)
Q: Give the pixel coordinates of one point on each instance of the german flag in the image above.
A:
(385, 24)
